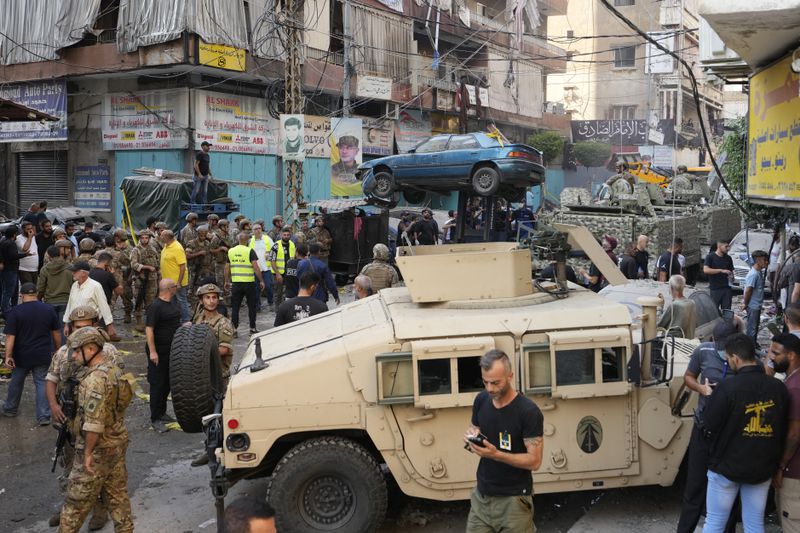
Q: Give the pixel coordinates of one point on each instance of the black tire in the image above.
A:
(414, 197)
(384, 185)
(195, 375)
(328, 484)
(485, 181)
(514, 194)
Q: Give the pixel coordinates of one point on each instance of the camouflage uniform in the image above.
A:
(103, 396)
(617, 184)
(220, 258)
(188, 234)
(322, 236)
(144, 256)
(204, 265)
(681, 183)
(124, 278)
(223, 330)
(381, 274)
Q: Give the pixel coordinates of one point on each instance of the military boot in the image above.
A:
(127, 319)
(55, 519)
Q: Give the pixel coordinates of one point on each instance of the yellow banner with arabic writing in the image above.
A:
(774, 157)
(221, 56)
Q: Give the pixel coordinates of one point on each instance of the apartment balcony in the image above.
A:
(758, 31)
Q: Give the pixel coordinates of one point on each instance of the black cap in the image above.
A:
(27, 288)
(206, 143)
(722, 331)
(80, 265)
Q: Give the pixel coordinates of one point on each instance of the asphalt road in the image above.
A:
(168, 495)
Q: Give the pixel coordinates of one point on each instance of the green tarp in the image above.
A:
(161, 197)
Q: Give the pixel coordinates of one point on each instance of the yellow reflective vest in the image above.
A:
(241, 267)
(280, 260)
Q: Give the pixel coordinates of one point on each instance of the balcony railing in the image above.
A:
(499, 24)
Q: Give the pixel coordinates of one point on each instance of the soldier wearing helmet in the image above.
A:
(321, 236)
(61, 369)
(155, 242)
(101, 438)
(220, 252)
(223, 329)
(145, 262)
(122, 271)
(189, 231)
(86, 248)
(275, 231)
(379, 271)
(200, 255)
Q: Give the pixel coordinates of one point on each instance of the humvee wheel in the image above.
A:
(195, 375)
(328, 484)
(414, 197)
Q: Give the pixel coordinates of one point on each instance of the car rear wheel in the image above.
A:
(195, 375)
(414, 197)
(384, 185)
(486, 181)
(328, 484)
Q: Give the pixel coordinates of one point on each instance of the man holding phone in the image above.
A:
(507, 433)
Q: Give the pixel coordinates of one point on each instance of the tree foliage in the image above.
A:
(734, 170)
(549, 142)
(592, 153)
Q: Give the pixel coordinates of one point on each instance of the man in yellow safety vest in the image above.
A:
(241, 272)
(281, 252)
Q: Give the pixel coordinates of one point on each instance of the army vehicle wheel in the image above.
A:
(486, 181)
(384, 185)
(195, 375)
(328, 484)
(414, 197)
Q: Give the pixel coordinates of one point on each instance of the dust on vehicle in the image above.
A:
(335, 405)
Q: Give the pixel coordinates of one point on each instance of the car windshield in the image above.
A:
(748, 241)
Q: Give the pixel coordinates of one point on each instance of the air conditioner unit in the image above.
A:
(392, 110)
(559, 109)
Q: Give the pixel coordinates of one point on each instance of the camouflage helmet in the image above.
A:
(85, 336)
(121, 234)
(244, 221)
(83, 312)
(208, 288)
(213, 216)
(161, 225)
(146, 232)
(86, 245)
(380, 252)
(203, 228)
(191, 216)
(224, 222)
(63, 243)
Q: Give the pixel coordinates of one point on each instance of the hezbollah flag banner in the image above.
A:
(345, 142)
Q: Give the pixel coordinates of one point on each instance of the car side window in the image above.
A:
(463, 142)
(434, 144)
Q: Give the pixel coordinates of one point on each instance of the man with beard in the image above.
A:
(44, 239)
(785, 352)
(282, 251)
(426, 229)
(507, 433)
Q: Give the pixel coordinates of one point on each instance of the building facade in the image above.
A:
(142, 84)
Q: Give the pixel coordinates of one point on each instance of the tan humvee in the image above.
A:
(390, 380)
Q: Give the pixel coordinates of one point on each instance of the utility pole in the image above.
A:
(347, 66)
(294, 104)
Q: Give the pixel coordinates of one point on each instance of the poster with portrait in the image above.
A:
(346, 152)
(292, 135)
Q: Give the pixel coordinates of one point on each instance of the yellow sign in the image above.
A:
(774, 138)
(222, 56)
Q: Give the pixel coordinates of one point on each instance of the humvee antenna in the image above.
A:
(259, 363)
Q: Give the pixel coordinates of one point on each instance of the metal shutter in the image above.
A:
(42, 176)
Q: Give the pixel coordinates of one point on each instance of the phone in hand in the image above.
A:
(477, 440)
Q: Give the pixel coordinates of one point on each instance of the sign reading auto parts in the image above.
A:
(774, 137)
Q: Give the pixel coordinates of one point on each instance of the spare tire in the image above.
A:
(195, 375)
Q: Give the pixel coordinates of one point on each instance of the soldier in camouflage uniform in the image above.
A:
(622, 182)
(304, 235)
(275, 231)
(155, 242)
(101, 439)
(145, 262)
(379, 271)
(60, 370)
(681, 182)
(200, 256)
(189, 231)
(86, 248)
(221, 256)
(123, 265)
(321, 236)
(221, 326)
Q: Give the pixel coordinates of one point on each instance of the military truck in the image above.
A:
(333, 406)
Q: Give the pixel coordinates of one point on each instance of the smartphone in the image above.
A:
(477, 440)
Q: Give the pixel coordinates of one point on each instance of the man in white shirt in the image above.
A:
(86, 291)
(28, 265)
(261, 243)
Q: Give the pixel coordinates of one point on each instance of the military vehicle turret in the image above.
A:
(333, 406)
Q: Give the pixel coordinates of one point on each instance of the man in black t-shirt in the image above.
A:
(718, 267)
(291, 283)
(202, 174)
(105, 278)
(303, 305)
(668, 263)
(163, 320)
(511, 427)
(642, 256)
(426, 229)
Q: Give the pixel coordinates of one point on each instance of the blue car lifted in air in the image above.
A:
(470, 162)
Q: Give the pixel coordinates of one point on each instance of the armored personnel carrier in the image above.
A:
(333, 406)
